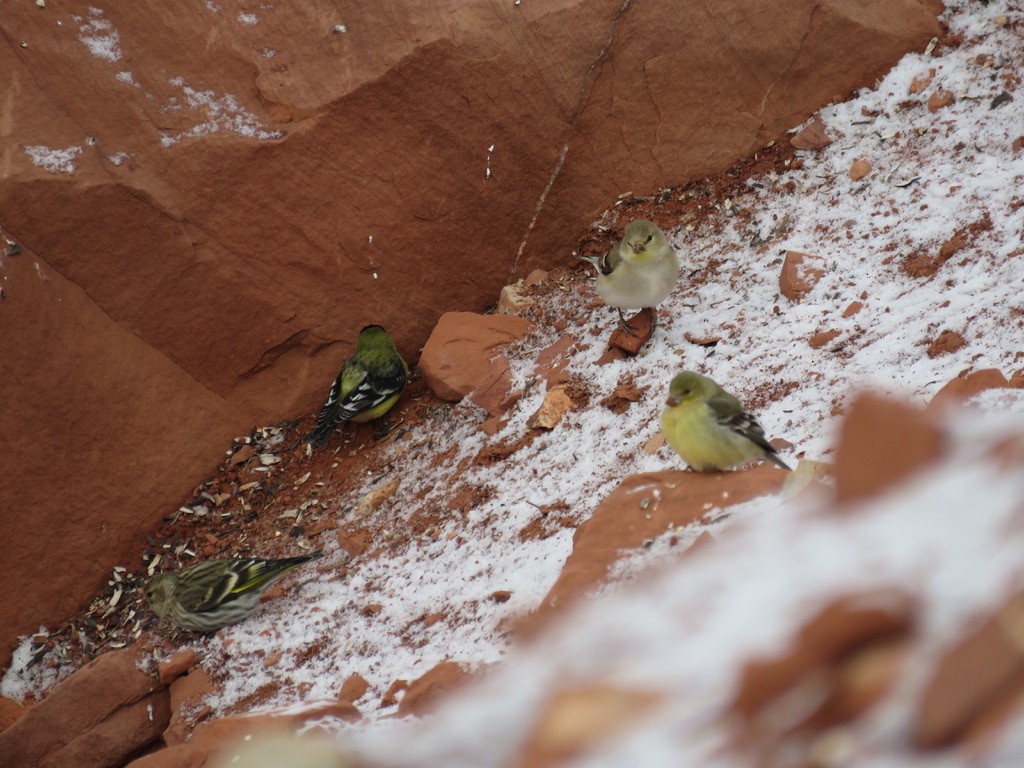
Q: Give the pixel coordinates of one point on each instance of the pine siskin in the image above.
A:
(215, 593)
(370, 383)
(709, 428)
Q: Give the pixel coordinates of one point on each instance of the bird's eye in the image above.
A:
(649, 238)
(686, 391)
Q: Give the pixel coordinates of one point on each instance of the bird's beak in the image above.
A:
(672, 400)
(637, 246)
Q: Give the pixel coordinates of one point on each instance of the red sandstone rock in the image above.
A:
(186, 704)
(556, 404)
(390, 697)
(230, 276)
(643, 507)
(800, 273)
(572, 721)
(811, 136)
(940, 99)
(9, 712)
(859, 169)
(177, 665)
(536, 277)
(552, 360)
(945, 343)
(853, 308)
(702, 341)
(820, 339)
(457, 356)
(425, 691)
(140, 434)
(921, 82)
(216, 736)
(353, 688)
(101, 715)
(642, 328)
(966, 386)
(882, 442)
(848, 623)
(972, 677)
(493, 390)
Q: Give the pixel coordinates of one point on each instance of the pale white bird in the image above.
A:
(638, 273)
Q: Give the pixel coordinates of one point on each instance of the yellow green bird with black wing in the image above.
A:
(369, 385)
(708, 427)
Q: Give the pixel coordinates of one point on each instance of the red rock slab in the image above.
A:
(215, 737)
(574, 721)
(108, 435)
(457, 356)
(186, 704)
(946, 343)
(424, 692)
(843, 626)
(10, 711)
(973, 677)
(642, 325)
(177, 665)
(967, 385)
(551, 360)
(820, 339)
(881, 443)
(811, 136)
(643, 507)
(353, 689)
(127, 732)
(95, 706)
(493, 390)
(800, 273)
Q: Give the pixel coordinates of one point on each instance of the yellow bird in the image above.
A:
(709, 428)
(369, 385)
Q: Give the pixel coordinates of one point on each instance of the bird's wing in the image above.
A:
(742, 423)
(611, 260)
(365, 389)
(199, 594)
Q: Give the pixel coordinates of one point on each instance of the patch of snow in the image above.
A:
(99, 35)
(127, 78)
(223, 113)
(25, 678)
(248, 18)
(54, 160)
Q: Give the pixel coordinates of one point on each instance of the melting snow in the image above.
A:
(224, 113)
(99, 35)
(54, 160)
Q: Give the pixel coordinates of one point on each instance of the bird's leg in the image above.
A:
(654, 318)
(625, 326)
